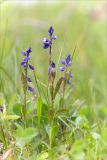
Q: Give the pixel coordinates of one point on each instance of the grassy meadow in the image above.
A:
(78, 130)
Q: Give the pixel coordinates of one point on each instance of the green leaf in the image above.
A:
(12, 117)
(17, 109)
(24, 136)
(45, 112)
(39, 110)
(104, 134)
(11, 104)
(53, 132)
(61, 102)
(2, 100)
(3, 137)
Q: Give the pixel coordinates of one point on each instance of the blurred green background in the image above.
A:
(77, 24)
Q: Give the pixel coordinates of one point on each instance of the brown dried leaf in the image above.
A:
(57, 87)
(7, 154)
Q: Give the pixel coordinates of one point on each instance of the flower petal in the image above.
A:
(45, 46)
(54, 37)
(51, 30)
(70, 75)
(31, 67)
(68, 82)
(29, 80)
(27, 58)
(29, 50)
(53, 64)
(63, 62)
(23, 53)
(68, 59)
(62, 68)
(31, 89)
(22, 63)
(46, 43)
(45, 39)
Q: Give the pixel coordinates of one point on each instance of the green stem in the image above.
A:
(3, 136)
(63, 89)
(24, 108)
(36, 83)
(25, 91)
(51, 78)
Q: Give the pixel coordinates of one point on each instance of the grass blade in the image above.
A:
(39, 111)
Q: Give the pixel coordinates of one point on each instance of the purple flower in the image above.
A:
(22, 63)
(46, 43)
(50, 31)
(54, 37)
(68, 82)
(68, 60)
(66, 63)
(45, 46)
(29, 80)
(53, 64)
(29, 50)
(63, 61)
(70, 75)
(25, 62)
(23, 53)
(31, 67)
(27, 58)
(46, 40)
(31, 89)
(62, 68)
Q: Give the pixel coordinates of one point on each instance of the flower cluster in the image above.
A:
(25, 61)
(25, 64)
(67, 62)
(47, 42)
